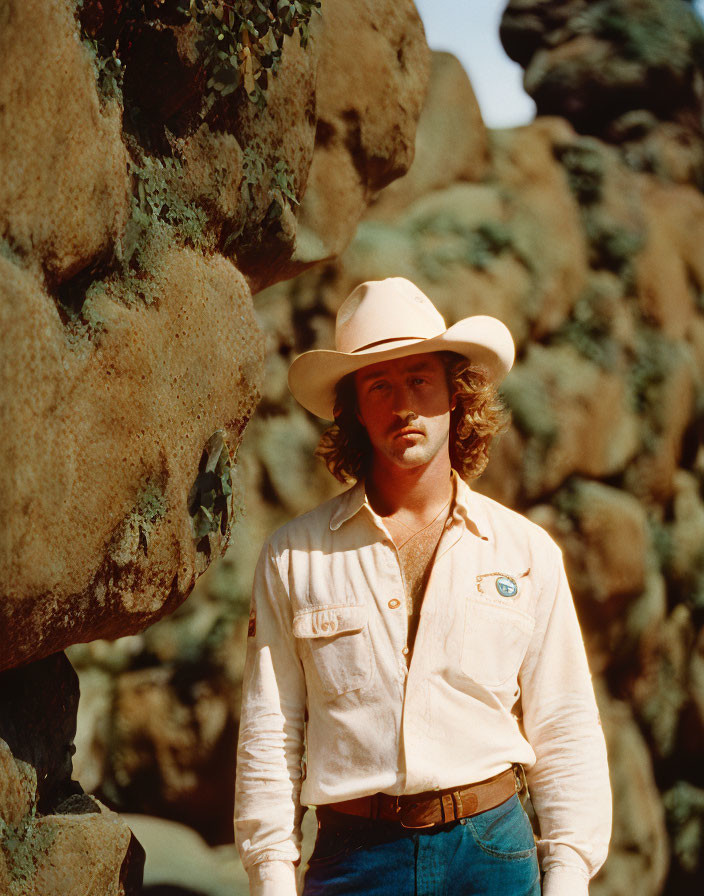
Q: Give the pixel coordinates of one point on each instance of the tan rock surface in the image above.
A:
(607, 548)
(62, 854)
(65, 198)
(665, 388)
(282, 134)
(639, 850)
(575, 415)
(119, 420)
(170, 737)
(54, 839)
(367, 113)
(602, 65)
(546, 223)
(670, 269)
(178, 857)
(451, 140)
(659, 694)
(17, 786)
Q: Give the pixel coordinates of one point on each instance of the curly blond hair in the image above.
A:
(478, 416)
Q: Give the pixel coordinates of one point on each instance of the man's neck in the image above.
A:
(415, 492)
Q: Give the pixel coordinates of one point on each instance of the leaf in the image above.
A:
(215, 447)
(269, 42)
(248, 75)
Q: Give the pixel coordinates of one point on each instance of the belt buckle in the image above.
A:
(398, 809)
(519, 776)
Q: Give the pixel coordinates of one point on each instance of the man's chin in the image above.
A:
(409, 458)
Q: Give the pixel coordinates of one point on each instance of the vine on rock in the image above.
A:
(241, 42)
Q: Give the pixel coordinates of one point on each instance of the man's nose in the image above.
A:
(402, 402)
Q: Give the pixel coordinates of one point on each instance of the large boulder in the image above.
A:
(66, 189)
(639, 849)
(372, 77)
(451, 140)
(153, 182)
(110, 427)
(628, 71)
(54, 839)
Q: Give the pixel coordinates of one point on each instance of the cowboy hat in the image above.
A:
(392, 318)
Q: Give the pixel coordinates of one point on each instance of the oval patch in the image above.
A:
(506, 586)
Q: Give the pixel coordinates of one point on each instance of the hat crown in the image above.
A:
(381, 311)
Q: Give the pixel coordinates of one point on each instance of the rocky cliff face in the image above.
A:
(583, 232)
(154, 181)
(162, 161)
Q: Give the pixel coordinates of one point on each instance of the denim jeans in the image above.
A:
(490, 854)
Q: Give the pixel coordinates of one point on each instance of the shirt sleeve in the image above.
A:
(569, 782)
(268, 779)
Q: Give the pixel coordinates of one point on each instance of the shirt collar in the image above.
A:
(471, 506)
(351, 502)
(467, 504)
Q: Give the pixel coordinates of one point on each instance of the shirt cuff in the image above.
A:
(274, 878)
(563, 880)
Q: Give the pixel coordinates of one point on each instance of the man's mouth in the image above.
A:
(408, 431)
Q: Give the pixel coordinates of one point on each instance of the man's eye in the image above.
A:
(418, 380)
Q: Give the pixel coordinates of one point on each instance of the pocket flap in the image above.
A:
(325, 621)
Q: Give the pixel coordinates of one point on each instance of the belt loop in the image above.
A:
(448, 807)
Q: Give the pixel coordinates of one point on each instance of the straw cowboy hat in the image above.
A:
(392, 318)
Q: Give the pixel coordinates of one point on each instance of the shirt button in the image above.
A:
(405, 651)
(394, 602)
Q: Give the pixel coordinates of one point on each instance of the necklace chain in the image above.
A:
(423, 528)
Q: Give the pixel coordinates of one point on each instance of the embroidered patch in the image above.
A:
(252, 627)
(506, 586)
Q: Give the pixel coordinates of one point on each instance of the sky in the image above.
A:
(470, 30)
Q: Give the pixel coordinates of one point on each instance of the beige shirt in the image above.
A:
(499, 675)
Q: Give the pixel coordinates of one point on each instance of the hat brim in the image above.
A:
(485, 341)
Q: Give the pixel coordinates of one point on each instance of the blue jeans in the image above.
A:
(490, 854)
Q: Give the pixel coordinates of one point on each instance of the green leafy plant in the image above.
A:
(651, 364)
(584, 165)
(108, 70)
(589, 330)
(210, 493)
(159, 217)
(612, 247)
(259, 177)
(241, 42)
(23, 842)
(445, 240)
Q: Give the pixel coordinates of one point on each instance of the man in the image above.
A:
(416, 640)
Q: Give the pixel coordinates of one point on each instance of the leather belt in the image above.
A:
(432, 807)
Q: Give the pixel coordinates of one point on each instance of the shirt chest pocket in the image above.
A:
(335, 647)
(495, 641)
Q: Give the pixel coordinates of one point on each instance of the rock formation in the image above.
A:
(54, 838)
(144, 201)
(582, 231)
(162, 161)
(588, 245)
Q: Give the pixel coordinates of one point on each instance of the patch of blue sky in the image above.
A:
(469, 29)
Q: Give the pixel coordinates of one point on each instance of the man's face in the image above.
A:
(404, 405)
